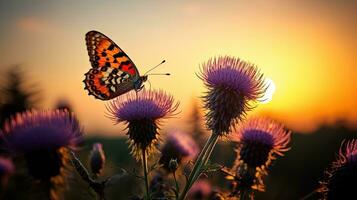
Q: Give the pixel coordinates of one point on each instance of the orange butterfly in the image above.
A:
(113, 73)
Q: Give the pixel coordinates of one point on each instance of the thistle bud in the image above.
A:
(173, 165)
(97, 158)
(178, 146)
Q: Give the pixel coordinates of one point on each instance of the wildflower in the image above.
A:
(142, 112)
(178, 146)
(42, 137)
(200, 190)
(260, 140)
(339, 180)
(6, 170)
(41, 130)
(97, 158)
(232, 84)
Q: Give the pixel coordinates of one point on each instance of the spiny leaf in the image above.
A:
(211, 167)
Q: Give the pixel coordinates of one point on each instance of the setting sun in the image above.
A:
(268, 96)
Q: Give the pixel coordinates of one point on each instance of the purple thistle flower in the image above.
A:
(42, 136)
(232, 84)
(41, 130)
(7, 168)
(339, 179)
(259, 140)
(179, 146)
(97, 158)
(142, 112)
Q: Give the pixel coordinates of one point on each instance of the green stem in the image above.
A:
(210, 149)
(309, 195)
(176, 184)
(146, 175)
(246, 194)
(201, 160)
(195, 168)
(101, 197)
(205, 159)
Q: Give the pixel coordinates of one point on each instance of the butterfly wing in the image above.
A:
(113, 73)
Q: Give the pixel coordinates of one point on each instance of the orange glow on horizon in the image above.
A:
(309, 55)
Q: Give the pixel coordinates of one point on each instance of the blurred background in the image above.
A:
(306, 49)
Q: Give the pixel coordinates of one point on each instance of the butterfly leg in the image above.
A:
(139, 89)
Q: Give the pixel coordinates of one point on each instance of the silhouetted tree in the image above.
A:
(16, 95)
(197, 124)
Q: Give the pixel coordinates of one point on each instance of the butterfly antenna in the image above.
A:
(166, 74)
(162, 62)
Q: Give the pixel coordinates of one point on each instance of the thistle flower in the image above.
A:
(142, 113)
(41, 130)
(42, 137)
(259, 141)
(6, 170)
(232, 84)
(97, 158)
(339, 180)
(178, 146)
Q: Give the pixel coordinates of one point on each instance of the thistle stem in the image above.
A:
(48, 188)
(146, 175)
(308, 196)
(176, 184)
(200, 162)
(205, 159)
(210, 149)
(243, 195)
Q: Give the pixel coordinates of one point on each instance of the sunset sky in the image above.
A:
(308, 48)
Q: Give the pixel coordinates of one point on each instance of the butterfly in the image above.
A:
(113, 73)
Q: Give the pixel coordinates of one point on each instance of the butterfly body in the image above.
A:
(113, 73)
(138, 85)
